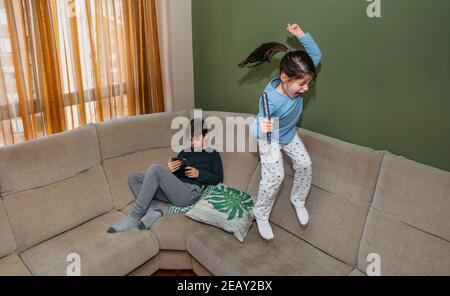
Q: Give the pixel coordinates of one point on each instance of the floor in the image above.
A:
(163, 272)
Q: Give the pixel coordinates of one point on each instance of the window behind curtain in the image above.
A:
(104, 64)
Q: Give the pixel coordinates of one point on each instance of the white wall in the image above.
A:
(175, 37)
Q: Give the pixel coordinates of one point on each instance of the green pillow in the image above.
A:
(225, 207)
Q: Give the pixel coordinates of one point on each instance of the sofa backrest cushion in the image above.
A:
(119, 169)
(53, 184)
(342, 168)
(238, 169)
(408, 223)
(122, 136)
(415, 193)
(44, 161)
(7, 245)
(239, 161)
(41, 213)
(234, 126)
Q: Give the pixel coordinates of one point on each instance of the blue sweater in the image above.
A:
(286, 109)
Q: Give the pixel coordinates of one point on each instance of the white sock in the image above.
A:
(265, 230)
(302, 214)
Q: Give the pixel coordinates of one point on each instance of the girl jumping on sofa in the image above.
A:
(173, 185)
(285, 102)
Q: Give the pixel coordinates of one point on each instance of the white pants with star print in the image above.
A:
(272, 174)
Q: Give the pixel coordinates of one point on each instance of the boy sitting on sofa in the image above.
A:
(173, 185)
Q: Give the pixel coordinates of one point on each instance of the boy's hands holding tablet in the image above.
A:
(175, 164)
(191, 172)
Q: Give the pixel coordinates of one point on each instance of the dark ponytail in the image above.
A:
(262, 54)
(295, 64)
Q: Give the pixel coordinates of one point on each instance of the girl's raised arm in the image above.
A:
(307, 41)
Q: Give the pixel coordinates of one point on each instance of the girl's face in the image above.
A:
(295, 87)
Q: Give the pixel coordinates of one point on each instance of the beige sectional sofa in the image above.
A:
(60, 194)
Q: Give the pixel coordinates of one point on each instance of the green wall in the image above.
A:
(383, 83)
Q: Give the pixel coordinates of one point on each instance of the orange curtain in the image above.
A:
(66, 63)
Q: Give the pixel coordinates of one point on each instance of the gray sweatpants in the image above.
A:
(160, 184)
(272, 174)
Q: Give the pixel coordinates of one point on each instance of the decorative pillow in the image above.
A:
(226, 208)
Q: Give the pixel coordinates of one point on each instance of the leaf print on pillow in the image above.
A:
(230, 200)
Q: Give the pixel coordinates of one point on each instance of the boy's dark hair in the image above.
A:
(197, 126)
(295, 64)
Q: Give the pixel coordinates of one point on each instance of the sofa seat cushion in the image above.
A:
(223, 255)
(335, 225)
(171, 230)
(100, 253)
(403, 249)
(12, 266)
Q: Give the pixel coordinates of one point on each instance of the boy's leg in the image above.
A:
(272, 175)
(161, 196)
(171, 189)
(135, 182)
(146, 194)
(302, 176)
(159, 177)
(153, 213)
(178, 193)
